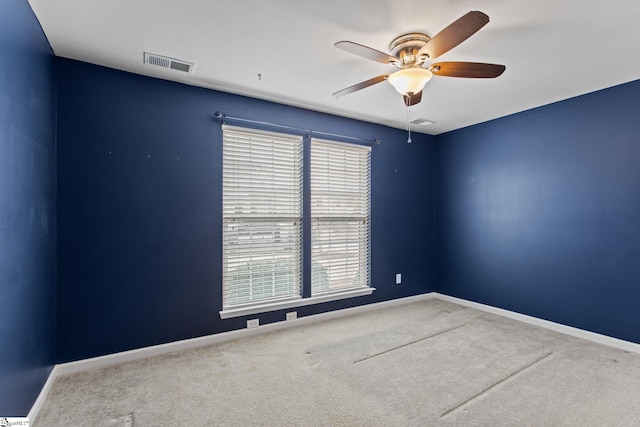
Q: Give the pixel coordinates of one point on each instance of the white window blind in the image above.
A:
(340, 216)
(262, 217)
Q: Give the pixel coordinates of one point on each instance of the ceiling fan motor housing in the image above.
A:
(406, 46)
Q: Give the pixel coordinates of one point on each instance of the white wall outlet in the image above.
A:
(292, 315)
(398, 278)
(253, 323)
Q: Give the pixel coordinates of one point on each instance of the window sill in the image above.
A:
(291, 303)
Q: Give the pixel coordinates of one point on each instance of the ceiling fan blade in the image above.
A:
(454, 34)
(361, 85)
(415, 98)
(477, 70)
(366, 52)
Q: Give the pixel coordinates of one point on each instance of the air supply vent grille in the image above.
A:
(422, 122)
(166, 62)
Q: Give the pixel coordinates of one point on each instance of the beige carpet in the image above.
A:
(429, 363)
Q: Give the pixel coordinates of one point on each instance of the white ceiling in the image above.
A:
(553, 49)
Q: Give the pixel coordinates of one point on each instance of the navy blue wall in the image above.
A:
(539, 212)
(139, 200)
(27, 208)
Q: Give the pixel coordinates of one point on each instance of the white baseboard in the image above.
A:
(37, 405)
(557, 327)
(141, 353)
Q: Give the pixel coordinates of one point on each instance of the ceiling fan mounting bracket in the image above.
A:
(406, 46)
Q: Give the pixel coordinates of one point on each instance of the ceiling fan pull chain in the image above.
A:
(409, 118)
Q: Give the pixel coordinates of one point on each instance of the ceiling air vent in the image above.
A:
(166, 62)
(422, 122)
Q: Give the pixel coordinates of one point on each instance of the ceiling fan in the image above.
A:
(412, 51)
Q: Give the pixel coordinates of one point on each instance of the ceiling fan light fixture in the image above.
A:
(410, 80)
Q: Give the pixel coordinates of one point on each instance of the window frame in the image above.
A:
(304, 297)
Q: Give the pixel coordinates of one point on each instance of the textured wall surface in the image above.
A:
(539, 212)
(27, 208)
(140, 216)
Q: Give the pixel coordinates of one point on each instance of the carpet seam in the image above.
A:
(409, 343)
(487, 389)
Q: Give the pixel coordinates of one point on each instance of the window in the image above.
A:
(261, 217)
(264, 215)
(340, 193)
